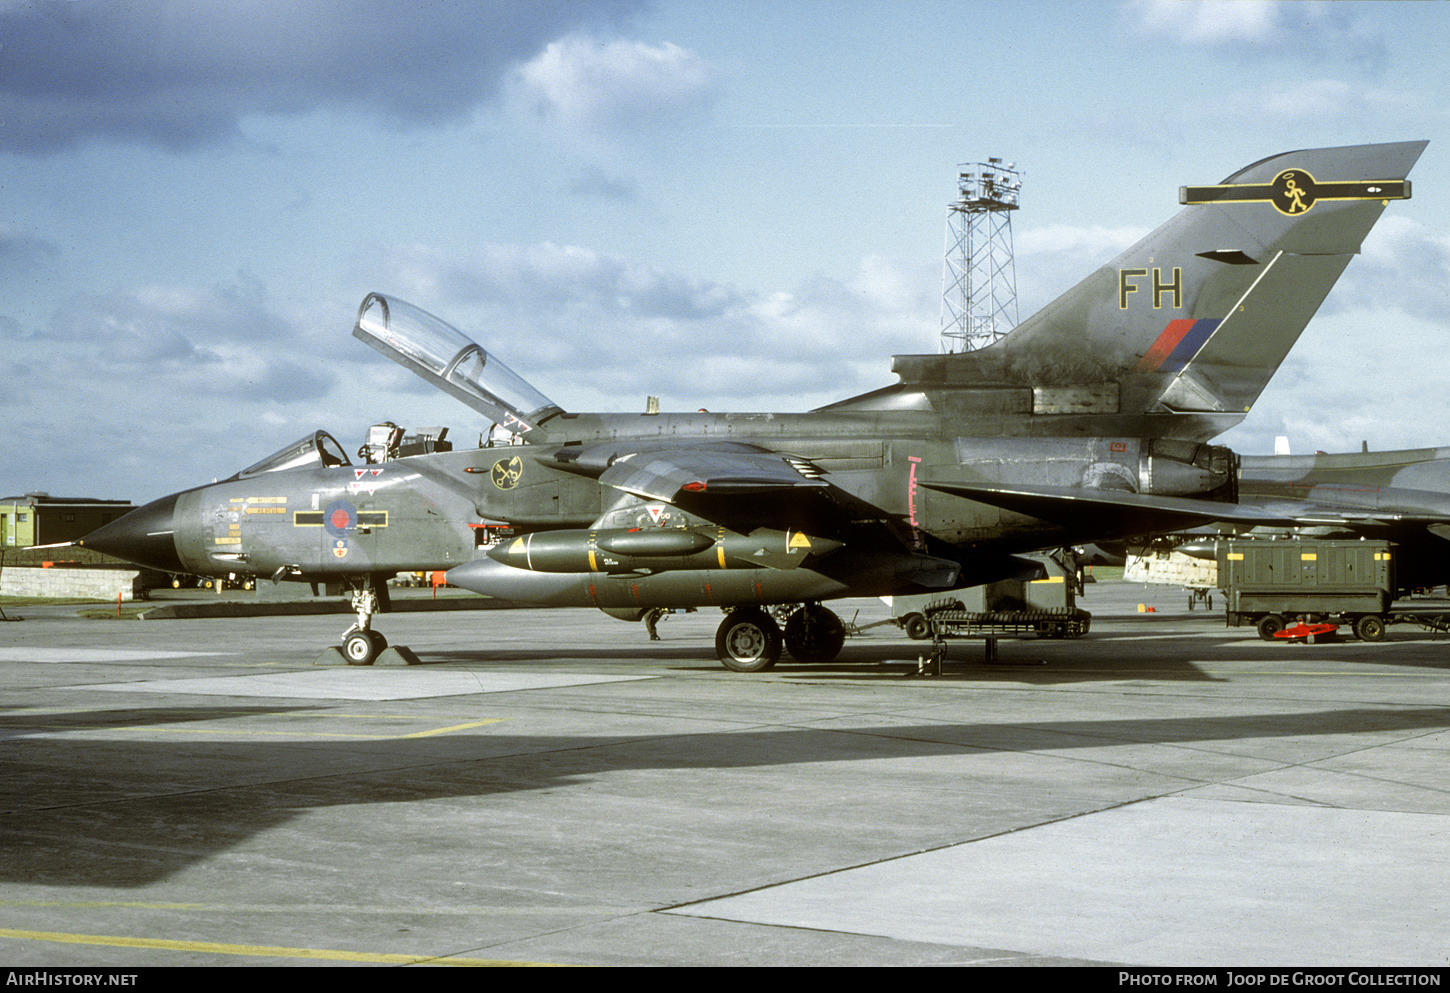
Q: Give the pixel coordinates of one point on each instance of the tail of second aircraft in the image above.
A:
(1185, 328)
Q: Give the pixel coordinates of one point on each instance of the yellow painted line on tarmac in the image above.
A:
(304, 734)
(450, 730)
(264, 951)
(326, 908)
(157, 729)
(92, 904)
(1341, 674)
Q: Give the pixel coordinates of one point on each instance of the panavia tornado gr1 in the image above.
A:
(1089, 421)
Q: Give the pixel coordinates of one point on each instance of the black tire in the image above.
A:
(1270, 625)
(814, 634)
(379, 642)
(747, 641)
(359, 648)
(1370, 627)
(916, 626)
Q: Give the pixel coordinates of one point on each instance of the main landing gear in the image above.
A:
(750, 640)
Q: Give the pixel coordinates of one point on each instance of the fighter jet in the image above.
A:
(1090, 421)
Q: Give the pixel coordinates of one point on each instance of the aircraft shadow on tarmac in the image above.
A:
(115, 813)
(1017, 664)
(1034, 661)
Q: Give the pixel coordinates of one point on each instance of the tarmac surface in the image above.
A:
(551, 787)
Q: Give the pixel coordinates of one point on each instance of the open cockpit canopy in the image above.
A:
(453, 362)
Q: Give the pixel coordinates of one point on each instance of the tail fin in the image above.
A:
(1186, 327)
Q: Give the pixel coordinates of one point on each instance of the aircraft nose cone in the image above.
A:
(145, 536)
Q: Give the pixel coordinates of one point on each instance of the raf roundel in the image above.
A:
(340, 518)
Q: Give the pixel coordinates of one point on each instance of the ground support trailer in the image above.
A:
(1272, 583)
(1011, 608)
(949, 624)
(1045, 607)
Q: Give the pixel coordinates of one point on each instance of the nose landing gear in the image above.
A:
(361, 645)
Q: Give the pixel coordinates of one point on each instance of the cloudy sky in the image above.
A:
(735, 205)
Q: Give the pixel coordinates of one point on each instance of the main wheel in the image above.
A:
(814, 634)
(747, 641)
(1270, 625)
(1369, 628)
(359, 648)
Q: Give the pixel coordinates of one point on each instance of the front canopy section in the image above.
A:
(317, 449)
(447, 358)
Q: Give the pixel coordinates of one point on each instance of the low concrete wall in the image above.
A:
(99, 584)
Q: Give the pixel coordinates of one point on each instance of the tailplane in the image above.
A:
(1186, 327)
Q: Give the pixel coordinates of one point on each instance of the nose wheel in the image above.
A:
(362, 647)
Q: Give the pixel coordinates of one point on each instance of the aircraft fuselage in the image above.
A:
(432, 511)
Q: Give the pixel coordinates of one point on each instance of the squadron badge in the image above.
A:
(506, 472)
(1294, 192)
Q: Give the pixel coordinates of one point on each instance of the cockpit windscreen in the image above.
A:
(318, 448)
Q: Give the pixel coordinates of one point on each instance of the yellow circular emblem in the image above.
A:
(506, 472)
(1294, 192)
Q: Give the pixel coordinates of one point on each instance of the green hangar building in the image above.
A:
(41, 519)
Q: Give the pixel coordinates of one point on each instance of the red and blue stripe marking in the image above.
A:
(1178, 344)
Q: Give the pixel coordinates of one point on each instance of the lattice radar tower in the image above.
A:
(979, 278)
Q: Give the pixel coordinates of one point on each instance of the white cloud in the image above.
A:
(1052, 259)
(1305, 30)
(181, 74)
(1312, 100)
(1403, 267)
(1214, 22)
(583, 81)
(20, 249)
(596, 331)
(185, 347)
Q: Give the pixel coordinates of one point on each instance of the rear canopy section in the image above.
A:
(452, 361)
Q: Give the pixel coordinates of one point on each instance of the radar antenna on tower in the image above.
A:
(979, 278)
